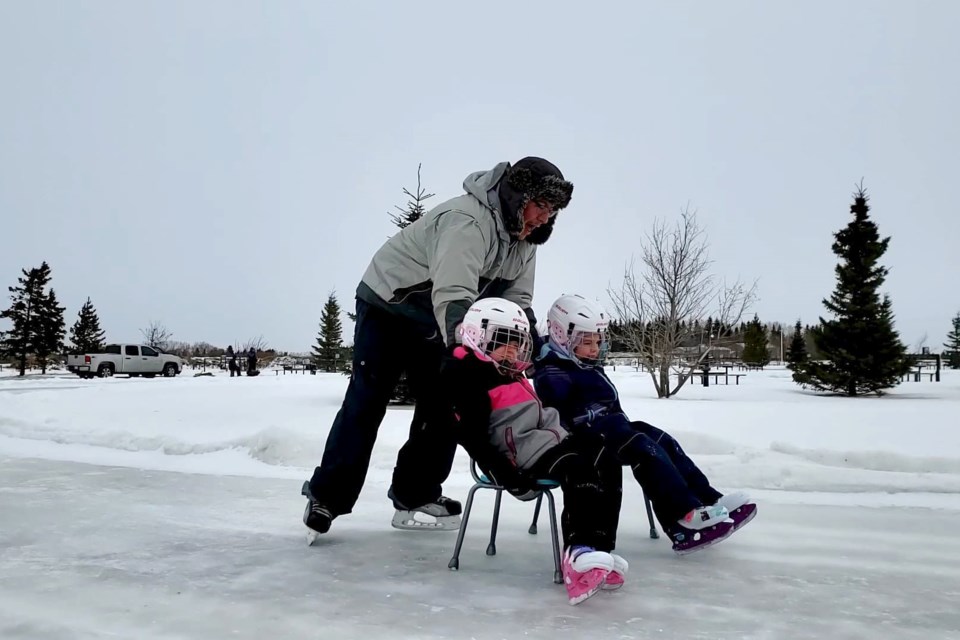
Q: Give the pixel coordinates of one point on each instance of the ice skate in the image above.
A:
(443, 514)
(584, 572)
(317, 517)
(701, 528)
(618, 575)
(741, 509)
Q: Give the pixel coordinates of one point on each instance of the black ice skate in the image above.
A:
(443, 514)
(317, 517)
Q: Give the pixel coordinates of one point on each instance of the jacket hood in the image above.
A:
(508, 188)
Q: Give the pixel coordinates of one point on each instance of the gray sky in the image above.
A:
(222, 166)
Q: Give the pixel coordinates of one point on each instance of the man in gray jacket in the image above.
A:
(410, 302)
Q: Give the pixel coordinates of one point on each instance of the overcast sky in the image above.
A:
(222, 166)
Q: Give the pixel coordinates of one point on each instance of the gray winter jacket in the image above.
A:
(457, 252)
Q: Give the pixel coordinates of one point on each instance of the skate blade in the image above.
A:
(705, 545)
(312, 537)
(407, 521)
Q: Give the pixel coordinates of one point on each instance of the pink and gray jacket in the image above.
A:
(499, 419)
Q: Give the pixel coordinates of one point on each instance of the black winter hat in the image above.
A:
(532, 178)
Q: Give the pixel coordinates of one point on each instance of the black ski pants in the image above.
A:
(672, 481)
(386, 345)
(591, 479)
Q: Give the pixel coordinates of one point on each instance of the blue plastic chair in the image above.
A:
(546, 487)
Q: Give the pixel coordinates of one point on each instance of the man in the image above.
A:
(410, 302)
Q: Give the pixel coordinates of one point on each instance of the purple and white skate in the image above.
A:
(740, 508)
(742, 515)
(687, 541)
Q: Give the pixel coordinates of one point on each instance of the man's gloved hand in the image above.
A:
(591, 416)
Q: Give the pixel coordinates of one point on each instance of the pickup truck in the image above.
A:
(131, 359)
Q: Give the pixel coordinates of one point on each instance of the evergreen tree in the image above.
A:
(797, 353)
(952, 345)
(29, 302)
(414, 209)
(330, 338)
(50, 330)
(797, 356)
(755, 338)
(862, 350)
(86, 336)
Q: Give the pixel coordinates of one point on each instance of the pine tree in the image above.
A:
(50, 330)
(862, 350)
(755, 338)
(797, 353)
(330, 338)
(25, 313)
(86, 336)
(15, 342)
(952, 345)
(797, 356)
(414, 209)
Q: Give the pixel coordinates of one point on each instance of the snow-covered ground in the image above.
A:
(170, 509)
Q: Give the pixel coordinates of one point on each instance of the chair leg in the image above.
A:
(536, 516)
(492, 547)
(653, 528)
(454, 563)
(555, 538)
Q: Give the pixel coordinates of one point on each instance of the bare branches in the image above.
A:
(258, 344)
(666, 314)
(156, 335)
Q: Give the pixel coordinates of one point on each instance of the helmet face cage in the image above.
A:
(571, 319)
(508, 347)
(576, 338)
(497, 329)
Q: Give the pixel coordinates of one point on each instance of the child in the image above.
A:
(502, 425)
(570, 377)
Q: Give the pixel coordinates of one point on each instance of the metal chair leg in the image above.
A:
(555, 538)
(536, 516)
(653, 527)
(492, 547)
(454, 563)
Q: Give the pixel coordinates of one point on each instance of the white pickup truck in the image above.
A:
(131, 359)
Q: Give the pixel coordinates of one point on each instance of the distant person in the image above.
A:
(232, 363)
(410, 302)
(252, 362)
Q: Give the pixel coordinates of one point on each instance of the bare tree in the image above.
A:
(662, 313)
(258, 343)
(156, 335)
(921, 343)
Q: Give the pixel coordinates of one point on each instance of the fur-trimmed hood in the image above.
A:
(533, 179)
(508, 188)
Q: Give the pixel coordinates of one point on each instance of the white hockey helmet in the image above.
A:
(570, 319)
(492, 323)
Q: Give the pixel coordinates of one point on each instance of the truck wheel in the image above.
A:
(169, 370)
(105, 370)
